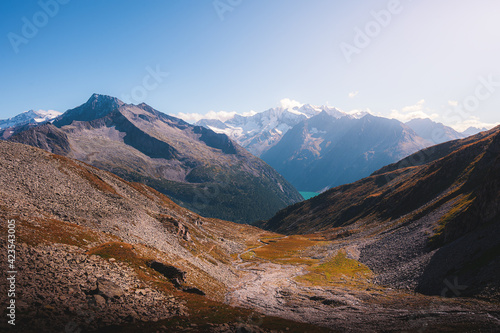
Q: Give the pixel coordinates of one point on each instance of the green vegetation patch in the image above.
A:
(338, 268)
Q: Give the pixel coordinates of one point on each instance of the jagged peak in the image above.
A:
(97, 106)
(97, 100)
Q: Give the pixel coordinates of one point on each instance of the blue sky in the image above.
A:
(434, 58)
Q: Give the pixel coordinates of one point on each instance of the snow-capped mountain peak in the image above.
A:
(261, 131)
(45, 115)
(29, 117)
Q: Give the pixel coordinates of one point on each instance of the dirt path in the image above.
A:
(270, 288)
(261, 283)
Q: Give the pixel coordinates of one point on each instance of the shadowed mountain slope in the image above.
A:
(325, 151)
(429, 218)
(432, 131)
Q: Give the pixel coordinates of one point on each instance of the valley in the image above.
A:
(86, 241)
(413, 247)
(98, 253)
(234, 166)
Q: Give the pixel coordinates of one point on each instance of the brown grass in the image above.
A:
(287, 250)
(47, 231)
(118, 250)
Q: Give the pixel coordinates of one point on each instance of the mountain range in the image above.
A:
(473, 130)
(260, 132)
(435, 132)
(196, 167)
(310, 158)
(324, 151)
(319, 147)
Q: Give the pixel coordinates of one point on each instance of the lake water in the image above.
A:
(308, 195)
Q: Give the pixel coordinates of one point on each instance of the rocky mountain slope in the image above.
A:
(95, 252)
(429, 222)
(325, 151)
(434, 132)
(199, 169)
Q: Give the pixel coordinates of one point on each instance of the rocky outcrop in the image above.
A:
(62, 288)
(173, 274)
(47, 137)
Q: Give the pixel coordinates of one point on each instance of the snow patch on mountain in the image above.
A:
(29, 117)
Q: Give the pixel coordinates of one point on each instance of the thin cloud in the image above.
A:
(407, 113)
(220, 115)
(353, 94)
(290, 103)
(472, 121)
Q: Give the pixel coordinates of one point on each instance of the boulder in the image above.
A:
(109, 289)
(193, 290)
(173, 274)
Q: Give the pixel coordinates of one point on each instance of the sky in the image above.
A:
(402, 59)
